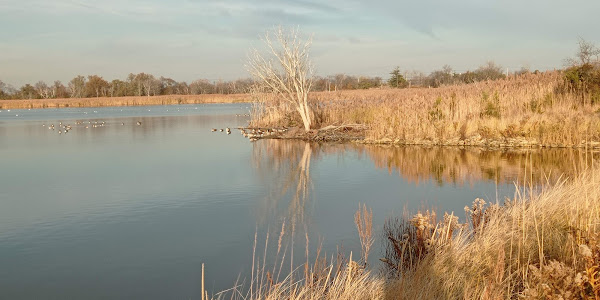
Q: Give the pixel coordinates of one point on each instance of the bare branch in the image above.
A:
(286, 70)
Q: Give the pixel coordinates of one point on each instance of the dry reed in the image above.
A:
(322, 278)
(541, 244)
(525, 110)
(123, 101)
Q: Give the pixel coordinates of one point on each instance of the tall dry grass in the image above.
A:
(539, 245)
(524, 110)
(536, 246)
(123, 101)
(336, 277)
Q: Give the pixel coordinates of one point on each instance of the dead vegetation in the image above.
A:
(525, 110)
(123, 101)
(540, 244)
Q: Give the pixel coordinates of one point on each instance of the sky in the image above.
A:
(186, 40)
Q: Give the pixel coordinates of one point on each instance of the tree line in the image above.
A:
(141, 84)
(144, 84)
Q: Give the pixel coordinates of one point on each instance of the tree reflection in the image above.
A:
(283, 166)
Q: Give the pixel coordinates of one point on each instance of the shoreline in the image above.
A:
(123, 101)
(359, 137)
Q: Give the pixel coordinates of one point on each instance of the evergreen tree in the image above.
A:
(397, 80)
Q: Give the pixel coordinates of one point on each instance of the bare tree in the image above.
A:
(588, 54)
(58, 90)
(3, 93)
(77, 86)
(286, 70)
(42, 89)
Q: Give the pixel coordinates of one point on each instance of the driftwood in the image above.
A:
(344, 127)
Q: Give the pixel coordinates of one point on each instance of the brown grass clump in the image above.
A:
(542, 245)
(124, 101)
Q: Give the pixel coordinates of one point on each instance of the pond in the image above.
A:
(113, 209)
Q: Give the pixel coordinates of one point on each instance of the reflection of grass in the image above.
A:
(542, 245)
(466, 165)
(124, 101)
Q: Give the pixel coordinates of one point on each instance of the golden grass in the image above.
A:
(535, 246)
(522, 110)
(124, 101)
(539, 245)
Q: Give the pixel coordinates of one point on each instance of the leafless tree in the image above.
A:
(42, 89)
(286, 69)
(588, 54)
(77, 86)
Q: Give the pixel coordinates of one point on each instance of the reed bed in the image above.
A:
(123, 101)
(541, 244)
(524, 110)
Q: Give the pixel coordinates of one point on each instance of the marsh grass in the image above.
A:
(537, 245)
(336, 277)
(123, 101)
(524, 110)
(543, 243)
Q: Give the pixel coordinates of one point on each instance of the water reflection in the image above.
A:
(284, 167)
(127, 211)
(454, 165)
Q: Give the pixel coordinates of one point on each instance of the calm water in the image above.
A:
(132, 211)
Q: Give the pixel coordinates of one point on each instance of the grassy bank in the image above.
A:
(538, 245)
(123, 101)
(526, 110)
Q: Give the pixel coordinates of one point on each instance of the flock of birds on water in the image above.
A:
(253, 133)
(65, 128)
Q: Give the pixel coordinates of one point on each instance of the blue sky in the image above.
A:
(193, 39)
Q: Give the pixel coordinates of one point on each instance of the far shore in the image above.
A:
(123, 101)
(140, 100)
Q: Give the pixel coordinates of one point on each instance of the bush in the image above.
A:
(585, 81)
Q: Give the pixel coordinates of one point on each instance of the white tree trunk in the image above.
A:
(287, 71)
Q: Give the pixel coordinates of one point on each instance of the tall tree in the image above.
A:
(168, 86)
(59, 90)
(445, 76)
(201, 86)
(96, 86)
(77, 86)
(3, 93)
(145, 82)
(286, 70)
(489, 71)
(588, 54)
(28, 92)
(42, 89)
(396, 79)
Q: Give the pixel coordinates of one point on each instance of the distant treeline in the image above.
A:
(143, 84)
